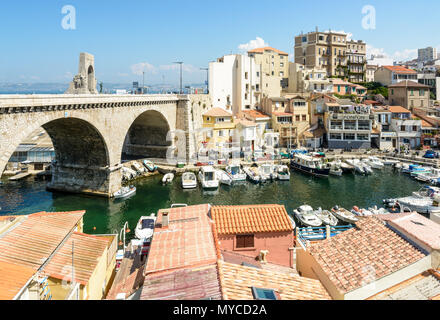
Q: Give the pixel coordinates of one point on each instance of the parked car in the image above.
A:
(430, 154)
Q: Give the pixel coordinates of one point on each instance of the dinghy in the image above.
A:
(282, 173)
(326, 217)
(189, 180)
(344, 215)
(252, 174)
(125, 192)
(168, 178)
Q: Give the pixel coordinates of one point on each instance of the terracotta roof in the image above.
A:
(420, 228)
(35, 238)
(261, 50)
(281, 114)
(426, 124)
(408, 84)
(255, 114)
(399, 69)
(398, 109)
(186, 242)
(236, 282)
(217, 112)
(348, 256)
(88, 250)
(13, 278)
(184, 284)
(251, 218)
(246, 123)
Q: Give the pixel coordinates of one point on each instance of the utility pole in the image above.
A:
(207, 78)
(181, 63)
(143, 81)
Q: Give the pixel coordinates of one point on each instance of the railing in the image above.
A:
(307, 234)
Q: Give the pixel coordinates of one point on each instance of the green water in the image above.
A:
(30, 196)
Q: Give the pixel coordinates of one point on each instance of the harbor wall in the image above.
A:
(347, 145)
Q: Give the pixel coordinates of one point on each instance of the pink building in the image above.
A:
(263, 232)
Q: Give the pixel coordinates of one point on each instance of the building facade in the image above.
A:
(427, 54)
(409, 94)
(388, 75)
(307, 80)
(356, 61)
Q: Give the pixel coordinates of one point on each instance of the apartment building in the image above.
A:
(388, 75)
(427, 54)
(356, 60)
(409, 94)
(219, 125)
(303, 80)
(430, 79)
(343, 88)
(331, 50)
(369, 75)
(234, 83)
(408, 129)
(274, 66)
(387, 137)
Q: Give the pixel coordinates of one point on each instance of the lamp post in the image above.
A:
(207, 78)
(181, 63)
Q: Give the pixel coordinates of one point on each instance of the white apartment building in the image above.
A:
(427, 54)
(234, 83)
(302, 79)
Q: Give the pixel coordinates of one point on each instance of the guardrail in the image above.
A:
(307, 234)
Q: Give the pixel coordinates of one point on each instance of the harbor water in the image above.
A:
(106, 215)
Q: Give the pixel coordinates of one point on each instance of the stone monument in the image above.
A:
(84, 82)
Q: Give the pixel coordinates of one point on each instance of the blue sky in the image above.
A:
(129, 36)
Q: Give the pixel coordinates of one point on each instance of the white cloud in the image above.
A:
(402, 55)
(253, 44)
(141, 67)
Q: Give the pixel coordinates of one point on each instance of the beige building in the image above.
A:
(274, 66)
(388, 75)
(409, 95)
(302, 79)
(371, 69)
(356, 60)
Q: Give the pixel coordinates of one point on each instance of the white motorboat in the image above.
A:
(346, 168)
(168, 178)
(266, 171)
(390, 162)
(252, 174)
(335, 169)
(367, 169)
(138, 168)
(150, 165)
(429, 175)
(307, 216)
(282, 172)
(327, 217)
(375, 163)
(426, 200)
(125, 192)
(361, 212)
(145, 227)
(189, 180)
(235, 171)
(358, 167)
(127, 174)
(344, 215)
(208, 178)
(224, 177)
(377, 211)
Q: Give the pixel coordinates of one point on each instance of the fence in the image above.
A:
(307, 234)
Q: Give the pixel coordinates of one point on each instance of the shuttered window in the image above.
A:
(245, 241)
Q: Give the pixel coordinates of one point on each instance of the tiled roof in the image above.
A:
(251, 218)
(400, 69)
(416, 225)
(184, 284)
(408, 84)
(398, 109)
(256, 114)
(13, 278)
(370, 247)
(88, 249)
(32, 242)
(217, 112)
(236, 282)
(281, 114)
(186, 242)
(261, 50)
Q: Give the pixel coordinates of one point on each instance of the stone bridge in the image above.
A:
(91, 132)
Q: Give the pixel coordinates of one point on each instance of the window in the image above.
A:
(244, 241)
(246, 75)
(281, 74)
(362, 137)
(335, 136)
(349, 136)
(220, 133)
(304, 117)
(415, 128)
(297, 118)
(264, 294)
(422, 92)
(281, 64)
(258, 74)
(402, 128)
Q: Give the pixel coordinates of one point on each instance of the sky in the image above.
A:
(129, 37)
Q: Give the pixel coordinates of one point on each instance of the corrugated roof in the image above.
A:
(237, 282)
(251, 219)
(349, 258)
(13, 278)
(88, 249)
(186, 242)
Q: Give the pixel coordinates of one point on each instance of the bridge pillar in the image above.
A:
(98, 181)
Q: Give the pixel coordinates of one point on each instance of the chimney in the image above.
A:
(165, 219)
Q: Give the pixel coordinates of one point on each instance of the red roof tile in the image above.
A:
(217, 112)
(13, 278)
(400, 69)
(398, 109)
(251, 219)
(256, 114)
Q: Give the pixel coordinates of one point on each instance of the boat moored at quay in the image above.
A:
(309, 165)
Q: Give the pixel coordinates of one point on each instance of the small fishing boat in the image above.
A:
(426, 200)
(282, 173)
(367, 169)
(189, 180)
(344, 215)
(149, 165)
(361, 212)
(208, 178)
(224, 177)
(145, 227)
(409, 168)
(358, 167)
(138, 168)
(335, 169)
(168, 178)
(307, 216)
(266, 171)
(326, 217)
(235, 171)
(377, 211)
(310, 165)
(125, 192)
(253, 174)
(421, 170)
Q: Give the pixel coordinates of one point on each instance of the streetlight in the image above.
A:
(180, 62)
(207, 78)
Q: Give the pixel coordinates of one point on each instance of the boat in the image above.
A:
(344, 215)
(326, 217)
(390, 162)
(266, 171)
(377, 211)
(145, 227)
(429, 176)
(420, 170)
(236, 173)
(149, 165)
(125, 192)
(367, 168)
(253, 174)
(358, 167)
(309, 165)
(208, 177)
(224, 177)
(282, 173)
(375, 163)
(346, 168)
(307, 216)
(129, 173)
(335, 169)
(189, 180)
(408, 168)
(426, 201)
(168, 178)
(361, 212)
(138, 168)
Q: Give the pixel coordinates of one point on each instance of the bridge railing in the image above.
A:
(307, 234)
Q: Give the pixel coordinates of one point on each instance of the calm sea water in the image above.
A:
(30, 196)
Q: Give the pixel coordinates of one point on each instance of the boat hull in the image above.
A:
(322, 173)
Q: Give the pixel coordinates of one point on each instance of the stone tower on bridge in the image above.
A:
(84, 82)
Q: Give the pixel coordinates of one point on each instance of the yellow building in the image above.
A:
(219, 129)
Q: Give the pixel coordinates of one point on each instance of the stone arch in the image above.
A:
(147, 136)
